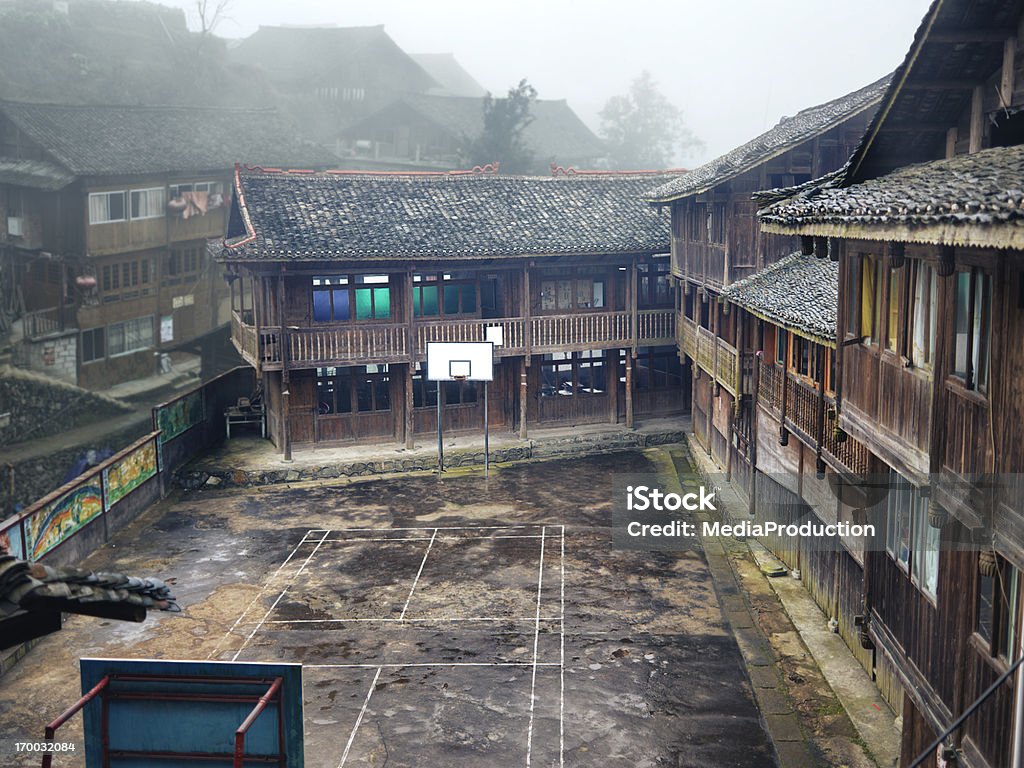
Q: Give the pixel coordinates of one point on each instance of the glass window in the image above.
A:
(972, 318)
(893, 320)
(331, 299)
(909, 537)
(986, 607)
(899, 504)
(130, 336)
(93, 344)
(781, 339)
(106, 207)
(148, 203)
(1008, 619)
(363, 389)
(925, 303)
(870, 287)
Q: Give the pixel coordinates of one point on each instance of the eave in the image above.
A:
(968, 235)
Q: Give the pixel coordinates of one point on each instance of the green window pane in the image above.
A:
(451, 299)
(364, 303)
(430, 300)
(469, 298)
(382, 303)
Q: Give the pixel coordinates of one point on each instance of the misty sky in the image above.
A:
(734, 67)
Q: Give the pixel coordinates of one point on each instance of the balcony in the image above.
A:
(699, 262)
(390, 342)
(719, 359)
(801, 417)
(45, 322)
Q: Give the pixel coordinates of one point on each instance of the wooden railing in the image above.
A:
(802, 408)
(967, 431)
(43, 322)
(389, 342)
(713, 355)
(704, 262)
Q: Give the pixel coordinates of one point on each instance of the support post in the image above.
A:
(487, 433)
(286, 432)
(410, 424)
(440, 443)
(629, 390)
(522, 401)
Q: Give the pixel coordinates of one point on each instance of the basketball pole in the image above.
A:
(487, 457)
(440, 442)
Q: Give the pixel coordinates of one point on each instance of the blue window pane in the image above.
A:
(341, 304)
(321, 306)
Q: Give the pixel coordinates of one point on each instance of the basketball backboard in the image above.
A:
(458, 360)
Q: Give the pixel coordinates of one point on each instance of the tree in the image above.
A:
(643, 129)
(502, 140)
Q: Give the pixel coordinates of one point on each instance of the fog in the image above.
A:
(734, 67)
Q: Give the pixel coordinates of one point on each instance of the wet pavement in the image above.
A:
(451, 622)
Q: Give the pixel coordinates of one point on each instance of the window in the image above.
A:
(658, 368)
(362, 297)
(1008, 601)
(571, 293)
(460, 392)
(997, 612)
(210, 187)
(424, 391)
(130, 336)
(125, 280)
(568, 374)
(94, 344)
(653, 289)
(437, 294)
(972, 327)
(148, 203)
(870, 299)
(781, 342)
(925, 299)
(892, 325)
(852, 288)
(358, 389)
(105, 207)
(911, 541)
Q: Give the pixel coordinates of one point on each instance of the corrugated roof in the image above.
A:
(790, 132)
(106, 140)
(799, 293)
(352, 216)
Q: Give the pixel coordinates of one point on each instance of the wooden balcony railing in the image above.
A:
(967, 431)
(802, 407)
(385, 343)
(43, 322)
(713, 355)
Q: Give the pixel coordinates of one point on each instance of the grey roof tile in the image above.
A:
(105, 140)
(985, 188)
(799, 293)
(335, 216)
(33, 173)
(790, 132)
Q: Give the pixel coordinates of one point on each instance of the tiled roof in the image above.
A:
(104, 140)
(34, 588)
(453, 78)
(790, 132)
(310, 217)
(33, 173)
(928, 201)
(799, 293)
(554, 133)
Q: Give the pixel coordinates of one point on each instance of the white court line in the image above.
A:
(515, 619)
(418, 573)
(438, 528)
(274, 605)
(561, 663)
(352, 736)
(216, 648)
(536, 639)
(439, 538)
(400, 665)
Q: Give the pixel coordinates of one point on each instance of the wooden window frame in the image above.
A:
(968, 379)
(575, 362)
(349, 378)
(351, 287)
(438, 281)
(125, 203)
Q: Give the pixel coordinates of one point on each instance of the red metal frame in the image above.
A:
(238, 757)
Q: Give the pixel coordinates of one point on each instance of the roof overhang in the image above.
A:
(943, 233)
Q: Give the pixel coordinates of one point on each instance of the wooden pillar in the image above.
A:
(820, 426)
(611, 384)
(755, 418)
(629, 390)
(286, 436)
(522, 398)
(527, 330)
(977, 123)
(634, 308)
(257, 316)
(410, 424)
(412, 348)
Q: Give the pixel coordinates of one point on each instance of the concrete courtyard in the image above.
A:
(440, 622)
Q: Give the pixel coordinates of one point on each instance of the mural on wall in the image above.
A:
(125, 475)
(50, 525)
(179, 416)
(10, 541)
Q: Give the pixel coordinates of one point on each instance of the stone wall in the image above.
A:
(41, 406)
(55, 356)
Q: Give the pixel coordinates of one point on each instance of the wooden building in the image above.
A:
(925, 226)
(343, 278)
(426, 131)
(106, 215)
(716, 240)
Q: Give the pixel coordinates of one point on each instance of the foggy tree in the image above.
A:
(210, 14)
(643, 129)
(502, 141)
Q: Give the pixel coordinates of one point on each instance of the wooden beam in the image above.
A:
(1006, 81)
(951, 142)
(977, 120)
(522, 400)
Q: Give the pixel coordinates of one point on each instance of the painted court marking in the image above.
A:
(323, 536)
